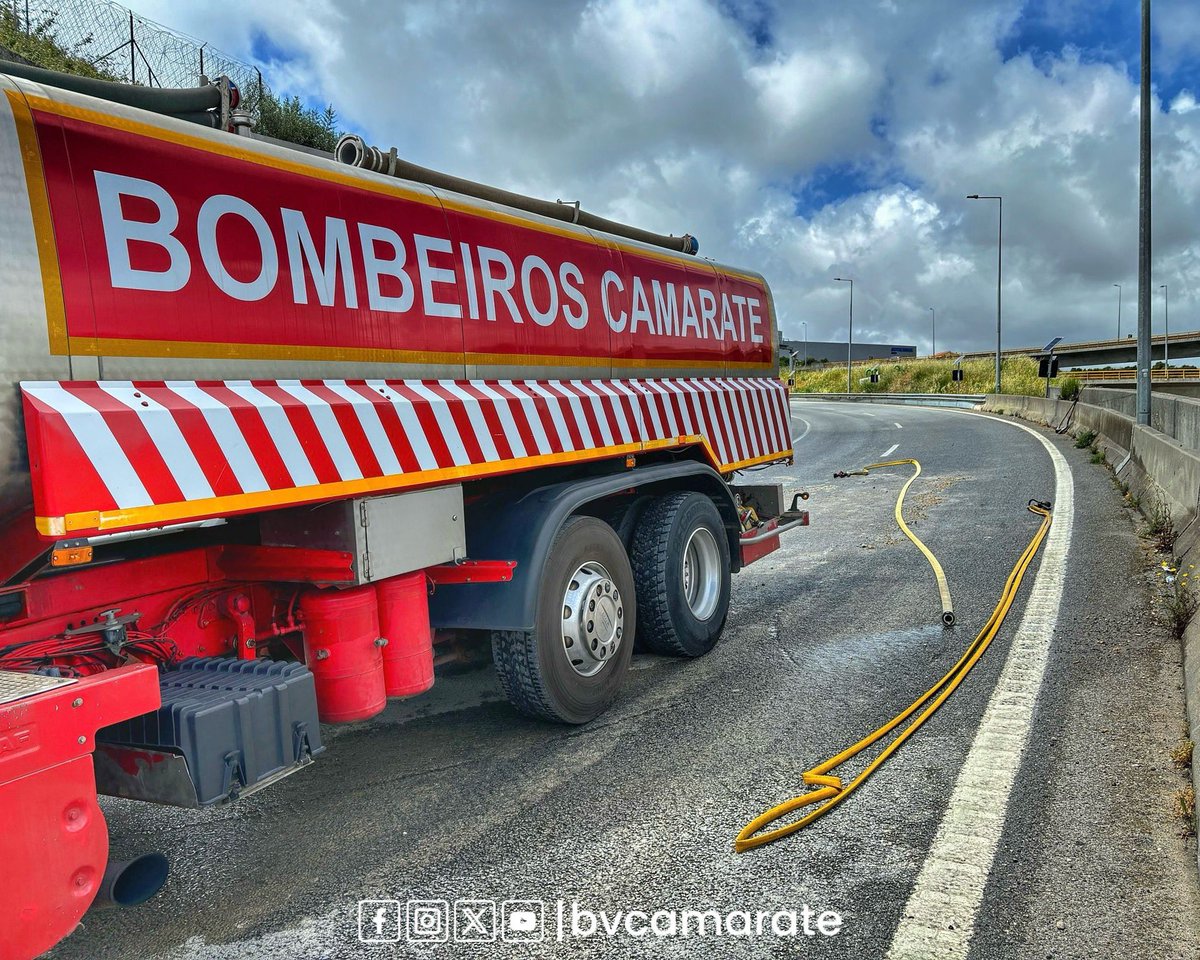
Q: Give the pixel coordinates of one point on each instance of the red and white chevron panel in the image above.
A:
(121, 454)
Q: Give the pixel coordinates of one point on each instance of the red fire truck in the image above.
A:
(277, 425)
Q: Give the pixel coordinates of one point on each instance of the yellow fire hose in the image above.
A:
(943, 586)
(830, 789)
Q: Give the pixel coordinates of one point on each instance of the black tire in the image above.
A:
(666, 621)
(623, 517)
(533, 666)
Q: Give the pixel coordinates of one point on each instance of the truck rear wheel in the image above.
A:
(682, 571)
(570, 666)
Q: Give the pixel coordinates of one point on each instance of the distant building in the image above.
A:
(833, 351)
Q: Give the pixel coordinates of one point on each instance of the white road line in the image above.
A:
(807, 426)
(888, 451)
(899, 426)
(939, 918)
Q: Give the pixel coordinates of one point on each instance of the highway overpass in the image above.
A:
(1093, 353)
(1084, 353)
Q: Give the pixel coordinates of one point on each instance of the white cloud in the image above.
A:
(671, 114)
(1184, 102)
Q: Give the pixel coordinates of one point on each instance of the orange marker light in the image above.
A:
(69, 556)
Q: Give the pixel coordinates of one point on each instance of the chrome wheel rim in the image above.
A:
(702, 573)
(593, 619)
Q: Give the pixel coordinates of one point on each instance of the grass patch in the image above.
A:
(1181, 754)
(1099, 456)
(1159, 524)
(1019, 376)
(1184, 807)
(1085, 438)
(1177, 597)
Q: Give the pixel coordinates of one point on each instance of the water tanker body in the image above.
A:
(259, 403)
(138, 247)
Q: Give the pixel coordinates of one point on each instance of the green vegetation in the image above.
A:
(1181, 753)
(40, 46)
(1177, 598)
(1085, 438)
(284, 118)
(1069, 388)
(927, 376)
(1159, 523)
(1185, 809)
(288, 119)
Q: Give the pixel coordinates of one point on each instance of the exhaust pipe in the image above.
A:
(128, 883)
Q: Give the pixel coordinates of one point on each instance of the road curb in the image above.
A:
(960, 400)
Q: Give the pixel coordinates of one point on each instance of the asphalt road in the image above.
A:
(453, 796)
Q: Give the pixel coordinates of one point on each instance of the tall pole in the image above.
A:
(804, 324)
(850, 338)
(932, 332)
(999, 284)
(999, 273)
(1143, 337)
(1118, 286)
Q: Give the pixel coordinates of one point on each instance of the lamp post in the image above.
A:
(804, 324)
(1167, 333)
(1144, 238)
(932, 332)
(850, 338)
(1118, 286)
(999, 271)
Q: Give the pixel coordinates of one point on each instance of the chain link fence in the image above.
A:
(123, 45)
(100, 38)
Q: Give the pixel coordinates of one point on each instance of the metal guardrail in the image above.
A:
(915, 399)
(1063, 350)
(1130, 375)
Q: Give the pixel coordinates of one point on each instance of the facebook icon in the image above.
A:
(379, 921)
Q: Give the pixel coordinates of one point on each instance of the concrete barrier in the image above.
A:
(1172, 468)
(1176, 416)
(1114, 428)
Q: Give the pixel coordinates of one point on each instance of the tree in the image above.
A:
(286, 118)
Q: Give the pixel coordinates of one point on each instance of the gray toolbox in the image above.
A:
(237, 724)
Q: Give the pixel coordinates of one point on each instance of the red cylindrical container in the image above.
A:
(341, 628)
(404, 621)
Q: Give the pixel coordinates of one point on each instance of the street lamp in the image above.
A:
(1167, 333)
(999, 271)
(932, 332)
(1118, 286)
(804, 324)
(850, 338)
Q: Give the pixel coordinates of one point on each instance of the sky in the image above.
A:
(803, 139)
